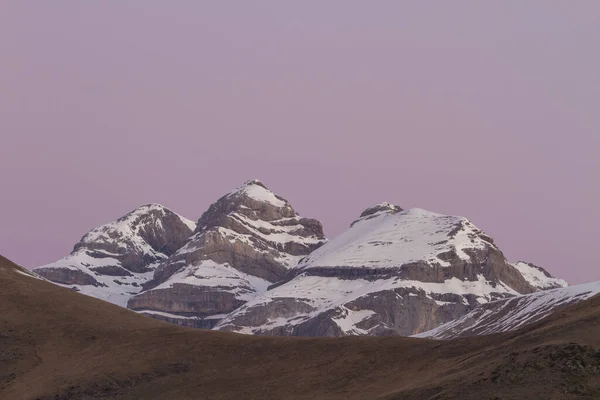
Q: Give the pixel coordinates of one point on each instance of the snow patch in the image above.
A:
(255, 190)
(385, 240)
(537, 278)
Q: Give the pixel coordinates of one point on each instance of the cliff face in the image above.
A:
(247, 240)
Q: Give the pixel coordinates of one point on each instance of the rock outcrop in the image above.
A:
(113, 261)
(394, 272)
(247, 240)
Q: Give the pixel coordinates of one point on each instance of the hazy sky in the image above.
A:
(489, 110)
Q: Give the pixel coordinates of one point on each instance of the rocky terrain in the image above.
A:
(113, 261)
(56, 344)
(513, 313)
(394, 272)
(246, 241)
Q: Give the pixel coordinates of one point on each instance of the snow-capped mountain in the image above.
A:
(113, 261)
(253, 265)
(513, 313)
(243, 243)
(394, 272)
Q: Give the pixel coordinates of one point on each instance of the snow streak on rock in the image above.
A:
(513, 313)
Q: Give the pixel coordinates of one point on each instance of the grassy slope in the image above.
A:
(58, 344)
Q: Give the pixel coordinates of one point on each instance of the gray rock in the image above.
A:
(67, 276)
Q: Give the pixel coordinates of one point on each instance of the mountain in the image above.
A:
(247, 240)
(57, 344)
(514, 313)
(113, 261)
(394, 272)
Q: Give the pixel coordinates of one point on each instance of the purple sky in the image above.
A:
(484, 109)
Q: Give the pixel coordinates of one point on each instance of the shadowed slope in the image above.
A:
(58, 344)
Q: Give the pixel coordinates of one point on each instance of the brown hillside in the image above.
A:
(58, 344)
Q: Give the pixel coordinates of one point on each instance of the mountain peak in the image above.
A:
(254, 182)
(150, 207)
(251, 182)
(144, 209)
(258, 191)
(377, 210)
(143, 212)
(381, 207)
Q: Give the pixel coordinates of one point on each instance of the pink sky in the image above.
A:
(484, 109)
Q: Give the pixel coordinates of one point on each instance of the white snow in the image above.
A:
(537, 278)
(387, 240)
(256, 191)
(278, 233)
(29, 274)
(348, 320)
(176, 316)
(190, 224)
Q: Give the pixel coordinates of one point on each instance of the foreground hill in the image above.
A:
(58, 344)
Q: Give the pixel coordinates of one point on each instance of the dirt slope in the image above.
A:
(57, 344)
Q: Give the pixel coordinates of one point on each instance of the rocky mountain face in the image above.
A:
(113, 261)
(246, 241)
(513, 313)
(394, 272)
